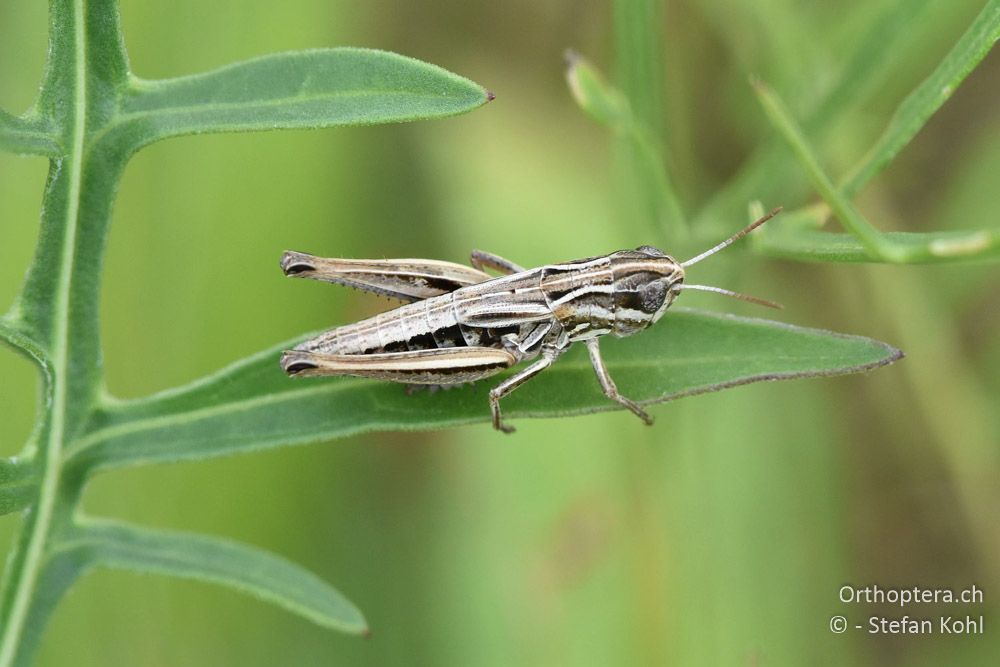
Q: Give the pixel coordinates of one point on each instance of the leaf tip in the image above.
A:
(490, 96)
(891, 356)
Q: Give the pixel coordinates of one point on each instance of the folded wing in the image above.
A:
(403, 279)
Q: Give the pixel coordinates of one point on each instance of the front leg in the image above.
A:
(608, 385)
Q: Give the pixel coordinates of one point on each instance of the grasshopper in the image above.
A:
(460, 324)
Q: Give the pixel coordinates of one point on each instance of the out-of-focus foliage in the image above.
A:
(722, 534)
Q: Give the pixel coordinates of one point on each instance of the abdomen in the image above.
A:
(422, 325)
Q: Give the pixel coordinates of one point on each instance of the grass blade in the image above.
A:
(639, 57)
(252, 405)
(922, 103)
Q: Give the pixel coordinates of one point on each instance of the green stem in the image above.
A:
(75, 214)
(868, 243)
(810, 245)
(38, 524)
(782, 120)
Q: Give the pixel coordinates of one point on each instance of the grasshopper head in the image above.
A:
(646, 281)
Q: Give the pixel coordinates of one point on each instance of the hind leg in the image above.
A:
(509, 385)
(452, 365)
(550, 352)
(486, 260)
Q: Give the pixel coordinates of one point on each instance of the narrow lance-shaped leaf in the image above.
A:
(93, 543)
(58, 571)
(241, 567)
(252, 404)
(302, 89)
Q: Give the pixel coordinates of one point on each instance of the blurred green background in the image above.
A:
(719, 536)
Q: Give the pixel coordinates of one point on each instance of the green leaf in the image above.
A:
(90, 543)
(243, 568)
(929, 96)
(252, 404)
(57, 572)
(304, 89)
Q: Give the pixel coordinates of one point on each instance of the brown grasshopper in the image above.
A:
(461, 324)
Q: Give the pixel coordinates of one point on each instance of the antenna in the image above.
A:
(732, 239)
(735, 295)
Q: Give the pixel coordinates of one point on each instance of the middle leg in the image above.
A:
(558, 342)
(509, 385)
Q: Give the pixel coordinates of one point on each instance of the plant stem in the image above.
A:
(66, 172)
(810, 245)
(782, 119)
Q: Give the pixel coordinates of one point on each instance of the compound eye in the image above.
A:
(653, 296)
